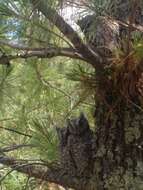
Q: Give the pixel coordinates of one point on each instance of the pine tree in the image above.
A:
(105, 62)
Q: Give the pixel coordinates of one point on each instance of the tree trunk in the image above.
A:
(116, 152)
(118, 143)
(111, 157)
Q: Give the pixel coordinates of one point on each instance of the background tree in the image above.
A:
(36, 99)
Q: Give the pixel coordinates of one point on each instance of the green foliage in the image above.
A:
(45, 139)
(86, 81)
(14, 181)
(99, 6)
(138, 49)
(35, 94)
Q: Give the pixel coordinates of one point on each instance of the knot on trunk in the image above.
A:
(75, 146)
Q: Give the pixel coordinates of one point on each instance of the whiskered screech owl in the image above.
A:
(75, 146)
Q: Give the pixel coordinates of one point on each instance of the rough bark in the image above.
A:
(116, 149)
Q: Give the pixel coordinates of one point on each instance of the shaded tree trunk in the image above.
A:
(117, 145)
(109, 158)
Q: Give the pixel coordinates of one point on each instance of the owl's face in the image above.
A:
(79, 125)
(85, 23)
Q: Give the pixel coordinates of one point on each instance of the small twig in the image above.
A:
(15, 131)
(6, 119)
(3, 178)
(27, 182)
(48, 84)
(15, 147)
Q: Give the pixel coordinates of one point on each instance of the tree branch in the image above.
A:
(15, 131)
(91, 57)
(46, 173)
(15, 147)
(48, 52)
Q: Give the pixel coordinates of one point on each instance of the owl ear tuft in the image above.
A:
(83, 122)
(82, 116)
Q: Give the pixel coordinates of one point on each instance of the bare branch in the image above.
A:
(51, 174)
(15, 147)
(15, 131)
(48, 52)
(48, 84)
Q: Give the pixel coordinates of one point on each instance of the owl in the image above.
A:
(76, 147)
(4, 59)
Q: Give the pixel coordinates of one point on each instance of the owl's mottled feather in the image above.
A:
(76, 147)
